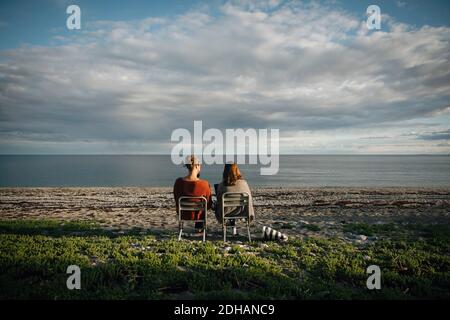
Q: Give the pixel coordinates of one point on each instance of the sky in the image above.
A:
(137, 70)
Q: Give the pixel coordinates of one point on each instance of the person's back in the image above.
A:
(192, 186)
(233, 182)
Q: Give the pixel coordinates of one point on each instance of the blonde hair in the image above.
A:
(191, 161)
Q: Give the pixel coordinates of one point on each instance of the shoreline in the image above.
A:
(298, 212)
(437, 188)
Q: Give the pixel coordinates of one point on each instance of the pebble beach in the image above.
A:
(297, 212)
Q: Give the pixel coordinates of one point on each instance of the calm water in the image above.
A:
(298, 170)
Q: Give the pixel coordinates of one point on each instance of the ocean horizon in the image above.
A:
(159, 171)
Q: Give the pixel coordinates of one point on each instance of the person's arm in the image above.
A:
(219, 194)
(176, 193)
(208, 197)
(250, 200)
(219, 191)
(218, 208)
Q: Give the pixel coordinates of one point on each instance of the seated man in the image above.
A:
(192, 186)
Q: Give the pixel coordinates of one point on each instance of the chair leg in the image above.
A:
(181, 230)
(248, 231)
(204, 233)
(224, 233)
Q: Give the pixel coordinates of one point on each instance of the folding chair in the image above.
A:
(186, 203)
(240, 202)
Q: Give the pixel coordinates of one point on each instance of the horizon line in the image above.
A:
(281, 154)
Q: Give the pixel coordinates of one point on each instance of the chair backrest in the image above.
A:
(235, 200)
(187, 203)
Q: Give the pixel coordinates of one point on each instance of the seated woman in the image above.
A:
(232, 181)
(192, 186)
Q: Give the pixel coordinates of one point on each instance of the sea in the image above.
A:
(159, 171)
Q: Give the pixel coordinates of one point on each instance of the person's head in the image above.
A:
(193, 165)
(231, 174)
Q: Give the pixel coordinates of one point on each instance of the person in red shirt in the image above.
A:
(192, 185)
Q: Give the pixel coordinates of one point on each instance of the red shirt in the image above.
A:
(199, 188)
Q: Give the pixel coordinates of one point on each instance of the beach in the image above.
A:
(124, 241)
(297, 212)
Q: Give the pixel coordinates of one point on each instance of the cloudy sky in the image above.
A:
(137, 70)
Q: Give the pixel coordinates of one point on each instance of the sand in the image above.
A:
(287, 209)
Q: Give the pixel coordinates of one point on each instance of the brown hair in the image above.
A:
(231, 174)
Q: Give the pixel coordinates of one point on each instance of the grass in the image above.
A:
(405, 232)
(34, 255)
(312, 227)
(370, 229)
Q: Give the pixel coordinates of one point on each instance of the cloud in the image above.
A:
(290, 66)
(400, 4)
(442, 135)
(61, 3)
